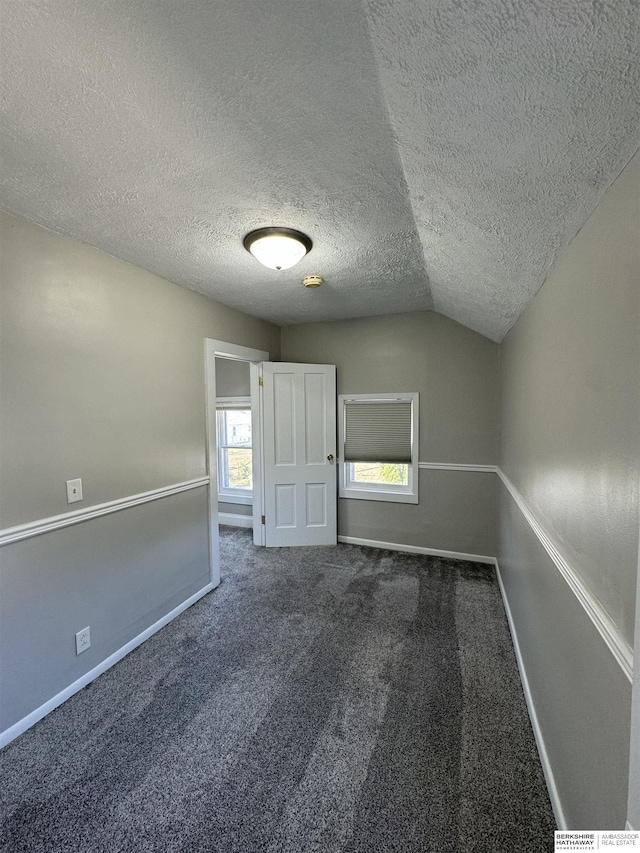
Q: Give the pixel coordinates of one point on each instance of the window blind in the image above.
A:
(377, 431)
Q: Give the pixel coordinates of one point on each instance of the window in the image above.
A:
(235, 481)
(379, 447)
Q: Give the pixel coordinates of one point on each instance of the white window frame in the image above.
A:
(392, 492)
(226, 494)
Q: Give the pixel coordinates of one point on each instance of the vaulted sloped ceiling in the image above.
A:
(440, 153)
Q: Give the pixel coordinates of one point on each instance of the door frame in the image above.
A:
(222, 349)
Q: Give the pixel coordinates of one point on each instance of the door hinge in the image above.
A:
(260, 381)
(264, 520)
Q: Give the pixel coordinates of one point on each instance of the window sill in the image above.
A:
(374, 495)
(245, 500)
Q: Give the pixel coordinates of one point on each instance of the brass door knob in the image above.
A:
(330, 457)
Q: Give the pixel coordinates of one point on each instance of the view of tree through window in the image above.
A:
(380, 472)
(239, 469)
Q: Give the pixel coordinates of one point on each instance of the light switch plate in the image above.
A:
(74, 491)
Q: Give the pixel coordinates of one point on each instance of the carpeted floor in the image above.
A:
(337, 700)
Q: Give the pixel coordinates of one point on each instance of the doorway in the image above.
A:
(214, 350)
(234, 442)
(294, 482)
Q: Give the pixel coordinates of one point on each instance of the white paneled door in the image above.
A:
(299, 428)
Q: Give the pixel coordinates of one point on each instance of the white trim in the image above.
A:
(235, 352)
(231, 494)
(628, 827)
(376, 492)
(233, 402)
(224, 498)
(235, 520)
(257, 460)
(66, 519)
(617, 645)
(31, 719)
(384, 493)
(453, 466)
(417, 549)
(554, 796)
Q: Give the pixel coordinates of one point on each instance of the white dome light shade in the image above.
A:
(277, 248)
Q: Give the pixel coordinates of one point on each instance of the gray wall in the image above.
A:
(235, 509)
(456, 373)
(102, 378)
(570, 443)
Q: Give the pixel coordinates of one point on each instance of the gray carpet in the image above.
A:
(338, 700)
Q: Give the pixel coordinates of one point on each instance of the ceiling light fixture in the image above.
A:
(277, 248)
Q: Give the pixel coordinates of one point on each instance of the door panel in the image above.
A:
(314, 402)
(299, 405)
(285, 506)
(316, 504)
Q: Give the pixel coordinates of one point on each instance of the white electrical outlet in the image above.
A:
(83, 640)
(74, 491)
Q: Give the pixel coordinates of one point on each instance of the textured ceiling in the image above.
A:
(440, 153)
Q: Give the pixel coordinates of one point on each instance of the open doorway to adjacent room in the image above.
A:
(233, 441)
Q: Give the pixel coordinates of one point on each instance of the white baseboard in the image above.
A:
(417, 549)
(235, 520)
(31, 719)
(554, 796)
